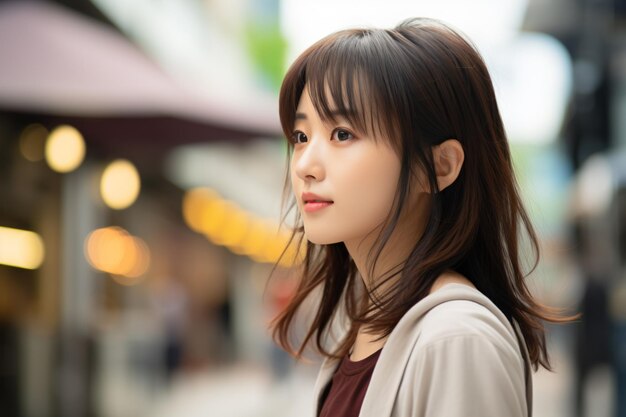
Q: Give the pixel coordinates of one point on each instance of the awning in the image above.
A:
(65, 67)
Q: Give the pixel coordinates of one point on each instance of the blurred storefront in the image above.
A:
(124, 264)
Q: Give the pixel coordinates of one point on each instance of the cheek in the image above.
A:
(369, 189)
(293, 177)
(377, 171)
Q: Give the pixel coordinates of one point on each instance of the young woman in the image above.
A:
(401, 173)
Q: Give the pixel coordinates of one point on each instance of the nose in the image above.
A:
(308, 162)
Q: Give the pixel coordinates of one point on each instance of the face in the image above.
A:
(355, 175)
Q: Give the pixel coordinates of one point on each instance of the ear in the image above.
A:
(448, 157)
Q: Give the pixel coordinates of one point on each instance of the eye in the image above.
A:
(298, 137)
(342, 135)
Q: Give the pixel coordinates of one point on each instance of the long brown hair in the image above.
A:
(416, 85)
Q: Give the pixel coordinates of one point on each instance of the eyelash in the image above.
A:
(295, 134)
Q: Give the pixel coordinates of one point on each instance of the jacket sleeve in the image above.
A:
(468, 376)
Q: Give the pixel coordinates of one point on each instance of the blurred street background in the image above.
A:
(141, 175)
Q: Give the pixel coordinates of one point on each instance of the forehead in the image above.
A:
(305, 102)
(306, 107)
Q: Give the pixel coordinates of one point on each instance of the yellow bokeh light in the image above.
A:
(273, 249)
(106, 248)
(142, 260)
(32, 142)
(129, 256)
(120, 184)
(295, 253)
(234, 226)
(65, 149)
(224, 223)
(114, 250)
(254, 239)
(195, 203)
(213, 218)
(21, 248)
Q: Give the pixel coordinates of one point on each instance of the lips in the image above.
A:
(314, 198)
(313, 202)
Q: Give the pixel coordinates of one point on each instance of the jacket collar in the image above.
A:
(398, 347)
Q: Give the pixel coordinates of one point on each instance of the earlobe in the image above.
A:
(448, 157)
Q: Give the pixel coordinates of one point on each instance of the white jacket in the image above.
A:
(453, 354)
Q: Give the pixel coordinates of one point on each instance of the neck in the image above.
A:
(394, 254)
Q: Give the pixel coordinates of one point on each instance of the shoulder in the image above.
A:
(466, 352)
(453, 354)
(463, 318)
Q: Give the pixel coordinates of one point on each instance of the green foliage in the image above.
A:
(267, 48)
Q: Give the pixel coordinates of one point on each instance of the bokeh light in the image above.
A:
(21, 248)
(224, 223)
(255, 238)
(214, 217)
(65, 149)
(194, 203)
(120, 184)
(117, 252)
(33, 141)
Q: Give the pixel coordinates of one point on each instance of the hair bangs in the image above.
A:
(337, 74)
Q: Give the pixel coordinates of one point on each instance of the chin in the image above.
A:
(322, 238)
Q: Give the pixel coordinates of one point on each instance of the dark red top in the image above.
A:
(345, 392)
